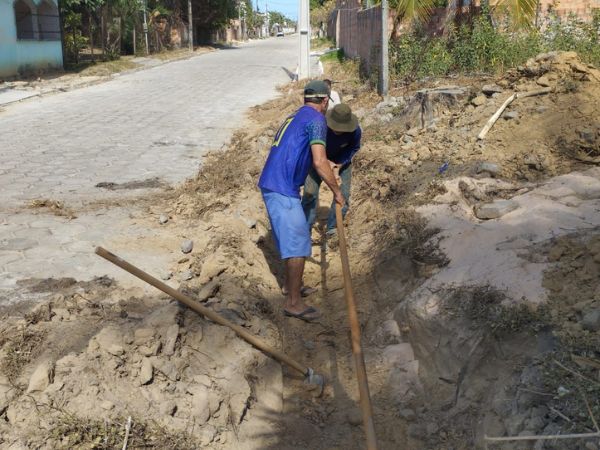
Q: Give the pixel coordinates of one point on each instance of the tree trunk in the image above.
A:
(91, 36)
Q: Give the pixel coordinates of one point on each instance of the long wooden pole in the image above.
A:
(206, 312)
(359, 361)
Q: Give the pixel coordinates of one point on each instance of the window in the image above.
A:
(24, 20)
(48, 22)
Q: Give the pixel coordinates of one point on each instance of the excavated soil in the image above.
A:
(475, 266)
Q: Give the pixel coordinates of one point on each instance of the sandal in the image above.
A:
(304, 315)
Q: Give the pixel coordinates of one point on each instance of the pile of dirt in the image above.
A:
(78, 365)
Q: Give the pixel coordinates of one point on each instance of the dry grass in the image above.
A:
(20, 347)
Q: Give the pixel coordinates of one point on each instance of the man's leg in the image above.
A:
(310, 197)
(294, 269)
(346, 177)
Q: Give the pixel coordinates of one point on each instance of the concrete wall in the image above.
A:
(25, 55)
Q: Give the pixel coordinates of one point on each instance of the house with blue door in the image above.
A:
(30, 37)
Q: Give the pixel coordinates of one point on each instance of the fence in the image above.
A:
(358, 33)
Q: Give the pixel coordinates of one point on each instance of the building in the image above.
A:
(30, 38)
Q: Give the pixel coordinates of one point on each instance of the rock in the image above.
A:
(110, 340)
(207, 435)
(413, 156)
(496, 209)
(491, 168)
(168, 408)
(354, 417)
(171, 339)
(541, 109)
(398, 353)
(163, 218)
(432, 428)
(187, 275)
(213, 265)
(424, 153)
(511, 115)
(107, 405)
(146, 372)
(407, 414)
(200, 403)
(479, 100)
(42, 377)
(545, 81)
(587, 135)
(416, 431)
(591, 320)
(491, 89)
(150, 350)
(388, 332)
(187, 246)
(413, 132)
(208, 290)
(165, 276)
(167, 368)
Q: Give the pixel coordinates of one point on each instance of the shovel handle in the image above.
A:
(206, 312)
(359, 361)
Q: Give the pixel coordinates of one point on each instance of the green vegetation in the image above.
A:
(484, 48)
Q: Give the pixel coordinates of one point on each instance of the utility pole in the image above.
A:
(304, 48)
(146, 29)
(385, 69)
(190, 26)
(267, 17)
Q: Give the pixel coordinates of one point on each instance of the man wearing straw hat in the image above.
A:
(343, 141)
(298, 145)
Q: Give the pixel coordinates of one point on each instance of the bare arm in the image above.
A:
(323, 168)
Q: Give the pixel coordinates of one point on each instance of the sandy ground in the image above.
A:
(475, 266)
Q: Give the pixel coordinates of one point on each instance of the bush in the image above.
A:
(482, 47)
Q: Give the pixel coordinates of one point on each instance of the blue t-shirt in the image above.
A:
(290, 158)
(342, 147)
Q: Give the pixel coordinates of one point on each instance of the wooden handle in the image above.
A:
(206, 312)
(359, 361)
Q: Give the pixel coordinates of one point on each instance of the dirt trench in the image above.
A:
(475, 268)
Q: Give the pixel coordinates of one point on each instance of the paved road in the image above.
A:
(152, 123)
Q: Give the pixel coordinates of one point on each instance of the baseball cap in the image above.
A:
(316, 88)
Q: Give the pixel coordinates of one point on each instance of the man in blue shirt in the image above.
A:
(343, 141)
(298, 145)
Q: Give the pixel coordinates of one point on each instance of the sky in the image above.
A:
(288, 8)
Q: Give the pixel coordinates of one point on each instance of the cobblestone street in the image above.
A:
(148, 125)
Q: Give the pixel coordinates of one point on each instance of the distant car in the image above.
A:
(280, 34)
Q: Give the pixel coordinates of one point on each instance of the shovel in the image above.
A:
(359, 361)
(310, 377)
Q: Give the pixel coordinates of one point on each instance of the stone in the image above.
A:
(413, 156)
(163, 218)
(424, 153)
(165, 276)
(146, 372)
(208, 290)
(187, 246)
(591, 320)
(354, 417)
(107, 405)
(413, 132)
(407, 414)
(491, 89)
(168, 408)
(207, 435)
(544, 81)
(587, 135)
(143, 336)
(491, 168)
(496, 209)
(416, 431)
(511, 115)
(42, 377)
(171, 340)
(398, 353)
(200, 403)
(110, 340)
(541, 109)
(432, 428)
(167, 368)
(479, 100)
(187, 275)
